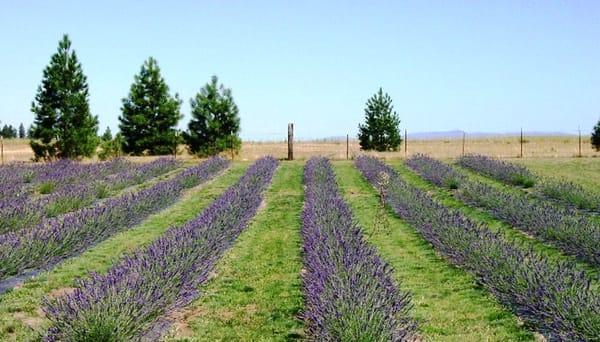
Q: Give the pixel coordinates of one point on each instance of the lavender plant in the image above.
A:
(68, 194)
(52, 240)
(498, 169)
(569, 193)
(552, 297)
(131, 301)
(572, 232)
(435, 171)
(349, 291)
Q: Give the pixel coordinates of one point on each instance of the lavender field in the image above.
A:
(367, 250)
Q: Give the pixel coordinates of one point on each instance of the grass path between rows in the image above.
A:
(446, 197)
(448, 303)
(256, 292)
(583, 171)
(527, 192)
(20, 314)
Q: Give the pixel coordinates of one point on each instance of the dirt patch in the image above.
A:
(31, 321)
(180, 321)
(63, 291)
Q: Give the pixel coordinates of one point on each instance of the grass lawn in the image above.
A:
(449, 305)
(20, 315)
(446, 197)
(583, 171)
(256, 293)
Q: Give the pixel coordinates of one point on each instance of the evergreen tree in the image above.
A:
(63, 126)
(107, 136)
(5, 132)
(381, 130)
(8, 132)
(150, 114)
(22, 134)
(215, 123)
(596, 137)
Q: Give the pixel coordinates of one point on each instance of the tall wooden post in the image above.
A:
(521, 142)
(463, 143)
(347, 146)
(405, 143)
(579, 128)
(290, 141)
(2, 149)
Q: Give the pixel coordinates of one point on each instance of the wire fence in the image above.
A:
(347, 147)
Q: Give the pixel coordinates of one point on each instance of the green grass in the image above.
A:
(446, 197)
(256, 293)
(20, 314)
(583, 171)
(448, 303)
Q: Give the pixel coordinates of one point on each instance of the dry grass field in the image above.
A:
(503, 147)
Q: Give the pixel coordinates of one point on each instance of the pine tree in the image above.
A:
(150, 114)
(596, 137)
(63, 126)
(107, 135)
(215, 124)
(22, 134)
(381, 130)
(8, 132)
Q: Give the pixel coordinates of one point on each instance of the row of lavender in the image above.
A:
(23, 180)
(573, 232)
(52, 240)
(349, 291)
(568, 193)
(132, 300)
(552, 297)
(72, 193)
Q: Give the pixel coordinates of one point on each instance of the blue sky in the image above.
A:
(492, 66)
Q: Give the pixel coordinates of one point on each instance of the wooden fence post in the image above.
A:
(2, 149)
(347, 146)
(463, 143)
(521, 156)
(290, 141)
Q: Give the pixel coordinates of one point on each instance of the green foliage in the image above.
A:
(107, 135)
(22, 134)
(63, 126)
(46, 187)
(381, 130)
(596, 137)
(8, 132)
(111, 148)
(215, 123)
(150, 114)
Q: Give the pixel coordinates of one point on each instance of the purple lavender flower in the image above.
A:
(349, 291)
(131, 300)
(573, 232)
(52, 240)
(498, 169)
(551, 296)
(435, 171)
(76, 186)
